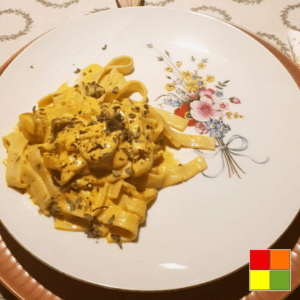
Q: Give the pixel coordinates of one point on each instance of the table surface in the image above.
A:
(23, 21)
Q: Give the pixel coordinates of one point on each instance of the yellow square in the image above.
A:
(259, 280)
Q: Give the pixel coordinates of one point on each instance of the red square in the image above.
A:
(259, 259)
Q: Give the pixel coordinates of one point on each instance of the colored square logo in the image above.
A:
(280, 280)
(270, 270)
(259, 279)
(259, 259)
(280, 259)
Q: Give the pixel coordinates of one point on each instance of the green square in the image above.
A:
(280, 280)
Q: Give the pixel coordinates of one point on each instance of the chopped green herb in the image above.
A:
(138, 133)
(117, 239)
(111, 219)
(115, 90)
(131, 115)
(78, 201)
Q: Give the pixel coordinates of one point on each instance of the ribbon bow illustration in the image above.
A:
(231, 152)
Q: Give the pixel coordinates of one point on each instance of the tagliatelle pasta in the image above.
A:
(93, 158)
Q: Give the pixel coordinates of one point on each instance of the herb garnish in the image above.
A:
(93, 230)
(97, 146)
(72, 206)
(115, 90)
(78, 201)
(117, 239)
(111, 219)
(77, 71)
(138, 133)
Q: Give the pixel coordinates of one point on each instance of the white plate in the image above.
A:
(199, 230)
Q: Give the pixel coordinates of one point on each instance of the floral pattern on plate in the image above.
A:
(199, 98)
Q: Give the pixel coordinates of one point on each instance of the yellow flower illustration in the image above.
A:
(236, 116)
(210, 78)
(236, 113)
(186, 75)
(229, 117)
(229, 113)
(201, 65)
(170, 87)
(241, 116)
(191, 85)
(168, 69)
(178, 64)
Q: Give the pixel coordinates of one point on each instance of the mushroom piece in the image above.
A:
(32, 127)
(58, 124)
(94, 90)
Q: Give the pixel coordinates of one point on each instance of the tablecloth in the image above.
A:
(21, 21)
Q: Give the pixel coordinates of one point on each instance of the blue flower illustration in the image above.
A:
(200, 83)
(219, 94)
(195, 77)
(168, 101)
(173, 102)
(216, 133)
(213, 124)
(224, 128)
(176, 103)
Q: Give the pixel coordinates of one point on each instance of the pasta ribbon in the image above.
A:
(93, 158)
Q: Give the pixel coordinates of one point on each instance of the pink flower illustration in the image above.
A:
(193, 96)
(235, 100)
(203, 92)
(224, 106)
(205, 109)
(200, 128)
